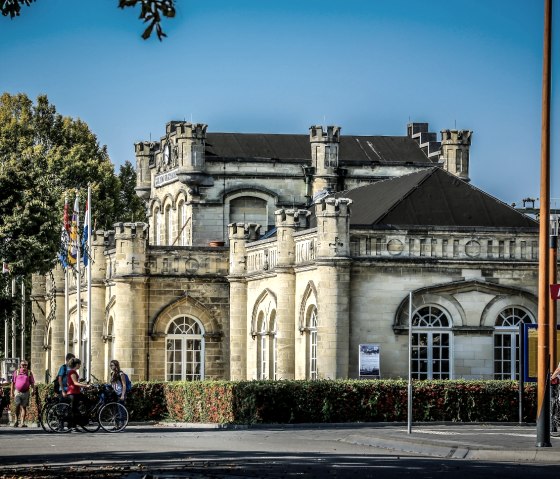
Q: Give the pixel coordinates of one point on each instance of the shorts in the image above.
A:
(21, 398)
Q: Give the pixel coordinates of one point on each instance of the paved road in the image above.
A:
(315, 452)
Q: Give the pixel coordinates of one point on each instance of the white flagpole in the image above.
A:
(66, 306)
(78, 283)
(409, 421)
(22, 318)
(88, 252)
(14, 342)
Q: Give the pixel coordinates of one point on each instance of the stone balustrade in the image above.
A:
(262, 255)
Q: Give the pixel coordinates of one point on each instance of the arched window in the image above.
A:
(110, 347)
(311, 343)
(182, 224)
(506, 342)
(83, 349)
(266, 346)
(431, 344)
(168, 232)
(48, 356)
(184, 350)
(262, 354)
(157, 227)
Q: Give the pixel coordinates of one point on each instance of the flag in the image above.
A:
(85, 236)
(64, 237)
(74, 244)
(5, 268)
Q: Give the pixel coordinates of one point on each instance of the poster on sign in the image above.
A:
(369, 361)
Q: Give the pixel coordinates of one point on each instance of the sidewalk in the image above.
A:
(469, 441)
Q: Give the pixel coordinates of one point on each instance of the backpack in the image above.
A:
(56, 385)
(128, 382)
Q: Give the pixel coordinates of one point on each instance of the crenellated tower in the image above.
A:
(145, 159)
(455, 148)
(324, 157)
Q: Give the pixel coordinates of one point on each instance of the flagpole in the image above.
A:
(66, 307)
(78, 280)
(22, 318)
(14, 352)
(88, 253)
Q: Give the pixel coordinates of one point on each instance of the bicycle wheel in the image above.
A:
(92, 424)
(43, 417)
(113, 417)
(58, 417)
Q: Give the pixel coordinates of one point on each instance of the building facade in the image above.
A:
(276, 256)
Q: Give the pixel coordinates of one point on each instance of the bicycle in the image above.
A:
(43, 409)
(105, 413)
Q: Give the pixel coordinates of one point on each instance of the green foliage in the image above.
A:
(151, 12)
(131, 207)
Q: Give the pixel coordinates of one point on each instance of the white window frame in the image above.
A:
(311, 346)
(507, 325)
(432, 321)
(184, 338)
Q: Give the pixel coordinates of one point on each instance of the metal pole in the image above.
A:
(522, 353)
(6, 328)
(543, 356)
(88, 269)
(409, 429)
(14, 342)
(552, 304)
(22, 318)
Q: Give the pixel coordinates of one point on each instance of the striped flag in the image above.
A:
(74, 243)
(64, 237)
(85, 236)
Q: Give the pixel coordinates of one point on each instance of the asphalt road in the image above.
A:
(168, 452)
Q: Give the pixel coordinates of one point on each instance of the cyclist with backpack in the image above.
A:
(62, 376)
(120, 381)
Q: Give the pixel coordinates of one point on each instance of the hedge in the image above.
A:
(324, 401)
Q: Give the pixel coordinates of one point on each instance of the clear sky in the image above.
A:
(369, 66)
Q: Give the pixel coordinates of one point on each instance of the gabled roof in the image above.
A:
(432, 197)
(352, 149)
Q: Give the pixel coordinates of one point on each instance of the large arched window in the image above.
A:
(310, 331)
(184, 350)
(431, 344)
(182, 224)
(71, 340)
(506, 342)
(157, 227)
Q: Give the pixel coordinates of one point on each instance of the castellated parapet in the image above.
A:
(239, 234)
(455, 152)
(333, 227)
(145, 159)
(287, 222)
(189, 139)
(131, 240)
(324, 157)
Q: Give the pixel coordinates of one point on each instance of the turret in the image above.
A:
(324, 156)
(145, 159)
(238, 236)
(333, 227)
(131, 240)
(190, 139)
(455, 146)
(287, 222)
(98, 262)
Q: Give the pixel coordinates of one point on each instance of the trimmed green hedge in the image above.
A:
(325, 401)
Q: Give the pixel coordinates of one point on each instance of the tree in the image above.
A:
(131, 207)
(44, 156)
(151, 11)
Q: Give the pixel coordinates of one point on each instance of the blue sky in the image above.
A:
(369, 66)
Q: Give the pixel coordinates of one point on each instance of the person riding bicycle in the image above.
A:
(74, 391)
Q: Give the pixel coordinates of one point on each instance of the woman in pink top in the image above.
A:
(21, 388)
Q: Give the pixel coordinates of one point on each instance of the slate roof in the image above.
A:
(352, 149)
(432, 197)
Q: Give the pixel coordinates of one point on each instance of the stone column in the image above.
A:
(98, 272)
(38, 355)
(131, 319)
(334, 264)
(236, 330)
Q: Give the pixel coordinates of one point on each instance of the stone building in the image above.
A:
(276, 256)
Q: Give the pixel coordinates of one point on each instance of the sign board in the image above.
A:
(165, 178)
(9, 365)
(369, 361)
(530, 349)
(555, 292)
